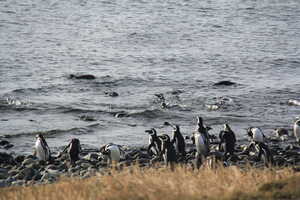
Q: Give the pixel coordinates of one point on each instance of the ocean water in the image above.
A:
(137, 48)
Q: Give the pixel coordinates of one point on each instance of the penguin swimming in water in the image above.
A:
(73, 149)
(112, 152)
(227, 141)
(168, 152)
(154, 143)
(297, 130)
(41, 148)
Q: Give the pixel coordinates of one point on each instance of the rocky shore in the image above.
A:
(18, 170)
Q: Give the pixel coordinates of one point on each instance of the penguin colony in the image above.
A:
(173, 150)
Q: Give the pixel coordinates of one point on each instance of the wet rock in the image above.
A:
(27, 173)
(91, 156)
(18, 183)
(3, 173)
(4, 183)
(224, 83)
(4, 142)
(84, 76)
(8, 146)
(48, 177)
(6, 158)
(20, 158)
(13, 172)
(87, 118)
(28, 161)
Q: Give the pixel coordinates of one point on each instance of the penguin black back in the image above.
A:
(168, 151)
(178, 139)
(74, 150)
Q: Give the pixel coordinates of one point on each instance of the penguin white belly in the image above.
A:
(115, 154)
(200, 144)
(257, 135)
(41, 153)
(297, 130)
(153, 149)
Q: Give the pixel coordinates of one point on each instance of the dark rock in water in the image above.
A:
(87, 118)
(84, 76)
(8, 146)
(20, 158)
(4, 142)
(6, 158)
(112, 94)
(224, 83)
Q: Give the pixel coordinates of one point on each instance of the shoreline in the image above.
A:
(16, 170)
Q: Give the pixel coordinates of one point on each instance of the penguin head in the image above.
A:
(227, 128)
(249, 132)
(176, 128)
(199, 120)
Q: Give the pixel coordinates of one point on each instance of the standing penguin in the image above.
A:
(297, 130)
(41, 148)
(112, 152)
(154, 143)
(258, 144)
(256, 134)
(178, 140)
(203, 130)
(227, 141)
(168, 152)
(73, 149)
(202, 148)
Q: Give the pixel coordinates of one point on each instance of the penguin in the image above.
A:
(112, 152)
(42, 150)
(202, 147)
(179, 142)
(281, 133)
(155, 143)
(73, 149)
(203, 130)
(256, 134)
(168, 152)
(227, 141)
(297, 130)
(259, 145)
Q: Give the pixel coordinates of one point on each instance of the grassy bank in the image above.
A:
(150, 184)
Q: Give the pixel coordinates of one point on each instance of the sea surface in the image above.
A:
(140, 50)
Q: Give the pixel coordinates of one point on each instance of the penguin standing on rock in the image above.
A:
(73, 149)
(202, 148)
(168, 152)
(297, 131)
(258, 144)
(154, 143)
(41, 148)
(227, 141)
(112, 152)
(203, 130)
(178, 140)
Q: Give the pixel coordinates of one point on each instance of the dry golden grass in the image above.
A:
(155, 184)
